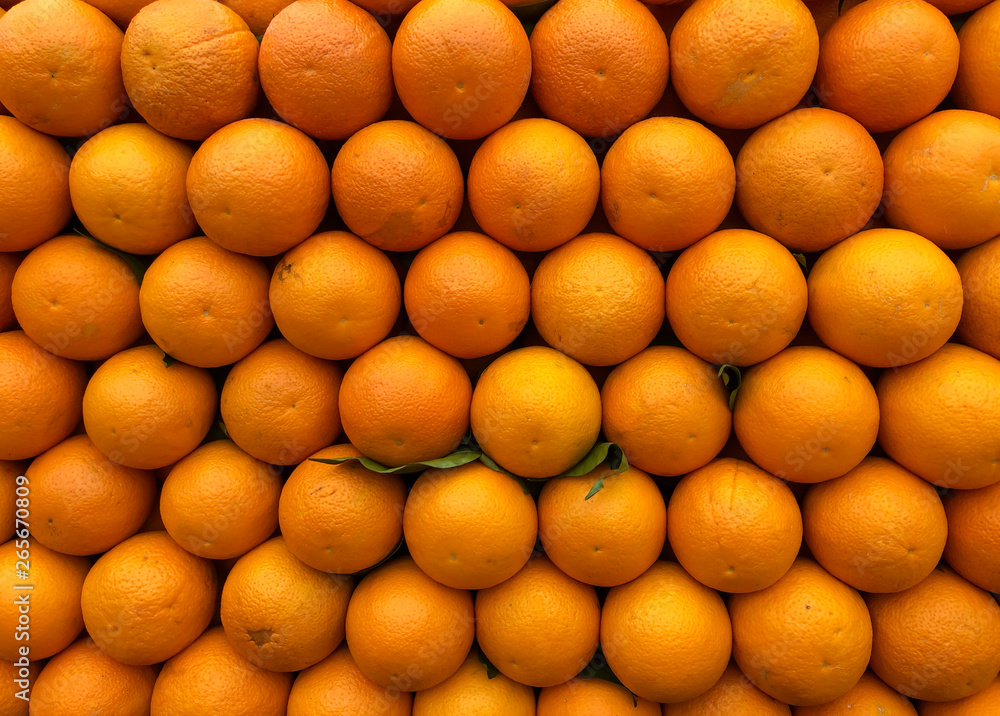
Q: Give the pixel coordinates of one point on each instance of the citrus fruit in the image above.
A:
(869, 695)
(470, 690)
(979, 268)
(8, 266)
(984, 701)
(975, 86)
(16, 702)
(732, 693)
(121, 12)
(595, 697)
(973, 545)
(10, 470)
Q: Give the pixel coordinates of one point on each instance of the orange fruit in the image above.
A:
(941, 417)
(732, 693)
(937, 641)
(326, 67)
(604, 329)
(10, 470)
(806, 415)
(72, 486)
(869, 696)
(142, 413)
(190, 67)
(146, 599)
(406, 631)
(281, 614)
(280, 404)
(763, 59)
(667, 182)
(887, 63)
(595, 697)
(540, 627)
(76, 299)
(536, 412)
(34, 189)
(397, 185)
(14, 701)
(985, 701)
(469, 690)
(827, 12)
(957, 7)
(404, 401)
(469, 527)
(257, 14)
(8, 266)
(120, 12)
(736, 297)
(341, 518)
(40, 397)
(975, 86)
(82, 679)
(606, 538)
(127, 188)
(335, 274)
(211, 676)
(461, 67)
(667, 409)
(824, 630)
(467, 295)
(955, 154)
(973, 545)
(979, 268)
(384, 10)
(258, 186)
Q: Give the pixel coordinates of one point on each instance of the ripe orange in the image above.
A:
(536, 412)
(257, 14)
(461, 67)
(142, 413)
(127, 188)
(467, 295)
(8, 266)
(335, 296)
(887, 63)
(941, 417)
(470, 691)
(385, 9)
(336, 687)
(594, 697)
(76, 299)
(937, 641)
(869, 696)
(979, 268)
(189, 66)
(11, 701)
(540, 627)
(982, 702)
(341, 518)
(40, 397)
(979, 40)
(667, 182)
(10, 470)
(281, 614)
(667, 409)
(954, 154)
(598, 299)
(957, 7)
(121, 12)
(732, 694)
(973, 547)
(146, 599)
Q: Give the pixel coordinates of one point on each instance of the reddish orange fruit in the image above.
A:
(973, 547)
(732, 693)
(979, 268)
(979, 40)
(869, 695)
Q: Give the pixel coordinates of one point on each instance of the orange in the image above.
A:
(40, 397)
(82, 679)
(469, 527)
(540, 627)
(604, 539)
(955, 153)
(824, 631)
(598, 299)
(806, 415)
(209, 676)
(461, 67)
(736, 297)
(53, 602)
(467, 295)
(406, 631)
(142, 413)
(937, 641)
(973, 547)
(869, 696)
(72, 487)
(397, 185)
(146, 599)
(536, 412)
(469, 690)
(280, 404)
(405, 401)
(257, 14)
(76, 299)
(329, 275)
(809, 179)
(14, 701)
(887, 63)
(827, 12)
(534, 184)
(281, 614)
(667, 182)
(979, 268)
(8, 266)
(985, 701)
(258, 186)
(121, 12)
(336, 687)
(127, 188)
(34, 189)
(385, 9)
(763, 58)
(594, 697)
(190, 67)
(326, 67)
(341, 518)
(667, 409)
(979, 41)
(732, 693)
(957, 7)
(941, 417)
(10, 470)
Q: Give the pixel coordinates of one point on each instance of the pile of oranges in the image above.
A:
(452, 357)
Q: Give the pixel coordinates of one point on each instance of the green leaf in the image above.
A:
(361, 573)
(222, 428)
(801, 258)
(134, 262)
(597, 455)
(731, 378)
(168, 360)
(488, 461)
(457, 458)
(491, 670)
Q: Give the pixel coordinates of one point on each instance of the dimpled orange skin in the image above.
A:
(257, 14)
(10, 703)
(979, 268)
(471, 690)
(461, 67)
(594, 697)
(121, 12)
(983, 702)
(732, 693)
(973, 547)
(976, 87)
(869, 697)
(961, 452)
